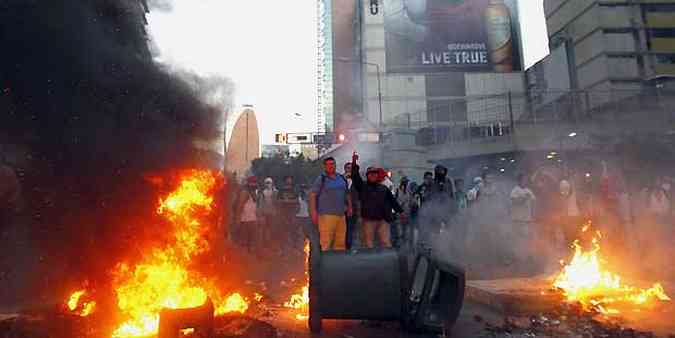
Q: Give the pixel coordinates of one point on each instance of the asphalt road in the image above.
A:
(466, 326)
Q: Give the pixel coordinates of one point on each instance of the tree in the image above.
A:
(301, 169)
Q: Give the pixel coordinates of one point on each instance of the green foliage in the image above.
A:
(302, 170)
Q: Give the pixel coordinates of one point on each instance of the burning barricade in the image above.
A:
(586, 280)
(163, 293)
(585, 299)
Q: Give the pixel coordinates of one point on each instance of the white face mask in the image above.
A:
(665, 186)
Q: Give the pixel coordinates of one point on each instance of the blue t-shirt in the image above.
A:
(332, 200)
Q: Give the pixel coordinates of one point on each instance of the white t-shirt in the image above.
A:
(569, 196)
(303, 210)
(522, 200)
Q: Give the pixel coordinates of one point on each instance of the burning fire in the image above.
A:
(584, 280)
(234, 303)
(300, 301)
(162, 278)
(83, 308)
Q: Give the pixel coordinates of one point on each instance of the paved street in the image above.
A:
(466, 326)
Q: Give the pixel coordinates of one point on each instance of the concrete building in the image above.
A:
(613, 45)
(429, 94)
(275, 150)
(405, 70)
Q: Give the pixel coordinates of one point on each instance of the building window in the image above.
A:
(668, 59)
(662, 32)
(659, 8)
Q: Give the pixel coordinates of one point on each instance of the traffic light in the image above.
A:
(279, 138)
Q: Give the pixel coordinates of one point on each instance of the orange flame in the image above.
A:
(162, 279)
(233, 303)
(83, 308)
(300, 301)
(584, 280)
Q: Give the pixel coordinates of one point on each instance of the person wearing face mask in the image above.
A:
(267, 205)
(443, 187)
(423, 192)
(440, 206)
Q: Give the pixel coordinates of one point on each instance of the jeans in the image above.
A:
(351, 231)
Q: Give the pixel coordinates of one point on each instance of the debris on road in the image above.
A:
(569, 320)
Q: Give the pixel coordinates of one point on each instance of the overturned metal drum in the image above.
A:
(383, 284)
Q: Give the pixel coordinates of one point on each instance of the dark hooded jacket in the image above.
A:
(376, 200)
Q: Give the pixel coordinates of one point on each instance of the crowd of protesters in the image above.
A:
(528, 221)
(533, 221)
(268, 220)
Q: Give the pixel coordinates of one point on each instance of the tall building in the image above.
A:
(431, 63)
(613, 45)
(324, 65)
(384, 59)
(244, 145)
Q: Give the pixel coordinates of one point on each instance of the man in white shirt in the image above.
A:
(571, 220)
(522, 207)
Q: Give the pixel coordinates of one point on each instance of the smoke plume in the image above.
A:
(85, 115)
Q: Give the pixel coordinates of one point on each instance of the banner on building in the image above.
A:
(424, 36)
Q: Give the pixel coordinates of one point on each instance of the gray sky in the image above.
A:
(268, 48)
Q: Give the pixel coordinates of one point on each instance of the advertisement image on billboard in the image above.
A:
(425, 36)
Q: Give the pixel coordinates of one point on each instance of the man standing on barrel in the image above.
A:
(329, 202)
(377, 203)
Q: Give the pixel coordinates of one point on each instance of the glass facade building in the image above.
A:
(325, 66)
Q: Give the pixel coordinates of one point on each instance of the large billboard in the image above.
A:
(426, 36)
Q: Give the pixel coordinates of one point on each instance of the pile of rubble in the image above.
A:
(569, 321)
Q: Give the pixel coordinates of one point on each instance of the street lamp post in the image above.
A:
(379, 83)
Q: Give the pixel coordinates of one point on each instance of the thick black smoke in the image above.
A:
(85, 114)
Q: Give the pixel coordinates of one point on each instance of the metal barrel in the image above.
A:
(364, 284)
(436, 295)
(379, 284)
